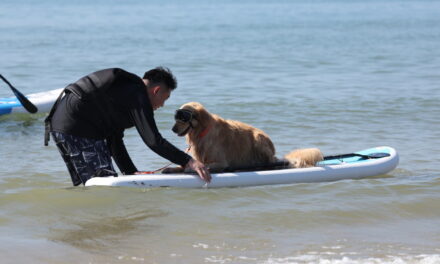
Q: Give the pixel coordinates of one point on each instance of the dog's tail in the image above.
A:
(303, 158)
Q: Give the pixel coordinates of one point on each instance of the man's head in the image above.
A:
(160, 82)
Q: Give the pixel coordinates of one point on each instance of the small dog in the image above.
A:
(228, 144)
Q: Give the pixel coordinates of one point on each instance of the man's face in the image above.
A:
(158, 95)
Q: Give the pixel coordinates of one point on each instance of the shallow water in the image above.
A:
(338, 75)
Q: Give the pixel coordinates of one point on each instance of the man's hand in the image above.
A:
(200, 168)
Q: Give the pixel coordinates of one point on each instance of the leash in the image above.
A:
(164, 167)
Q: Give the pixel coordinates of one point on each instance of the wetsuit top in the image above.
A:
(122, 104)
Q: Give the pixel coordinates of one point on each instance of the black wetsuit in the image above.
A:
(122, 102)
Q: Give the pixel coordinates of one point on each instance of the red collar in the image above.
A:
(204, 132)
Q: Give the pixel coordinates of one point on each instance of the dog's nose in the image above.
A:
(174, 129)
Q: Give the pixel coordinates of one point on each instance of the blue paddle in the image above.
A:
(30, 107)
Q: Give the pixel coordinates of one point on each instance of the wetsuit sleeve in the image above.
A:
(143, 118)
(120, 154)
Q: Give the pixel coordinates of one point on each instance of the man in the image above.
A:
(87, 123)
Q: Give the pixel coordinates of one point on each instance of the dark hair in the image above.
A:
(161, 75)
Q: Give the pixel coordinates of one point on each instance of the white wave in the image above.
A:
(315, 259)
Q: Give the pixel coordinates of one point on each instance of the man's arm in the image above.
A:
(147, 129)
(120, 154)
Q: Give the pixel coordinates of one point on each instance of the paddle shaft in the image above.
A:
(30, 107)
(285, 164)
(369, 156)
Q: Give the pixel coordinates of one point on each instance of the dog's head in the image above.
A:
(190, 116)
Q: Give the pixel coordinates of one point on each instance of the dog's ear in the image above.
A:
(201, 116)
(194, 122)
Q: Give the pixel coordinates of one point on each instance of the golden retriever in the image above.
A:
(228, 144)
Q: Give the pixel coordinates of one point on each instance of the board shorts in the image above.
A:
(84, 157)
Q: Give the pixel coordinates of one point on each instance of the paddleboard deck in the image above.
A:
(43, 101)
(361, 164)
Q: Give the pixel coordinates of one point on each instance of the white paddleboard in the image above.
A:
(347, 166)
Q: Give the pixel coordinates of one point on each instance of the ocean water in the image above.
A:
(339, 75)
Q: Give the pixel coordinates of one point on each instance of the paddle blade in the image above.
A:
(30, 107)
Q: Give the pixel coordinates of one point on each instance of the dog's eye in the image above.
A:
(183, 115)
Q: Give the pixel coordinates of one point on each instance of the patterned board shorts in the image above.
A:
(84, 157)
